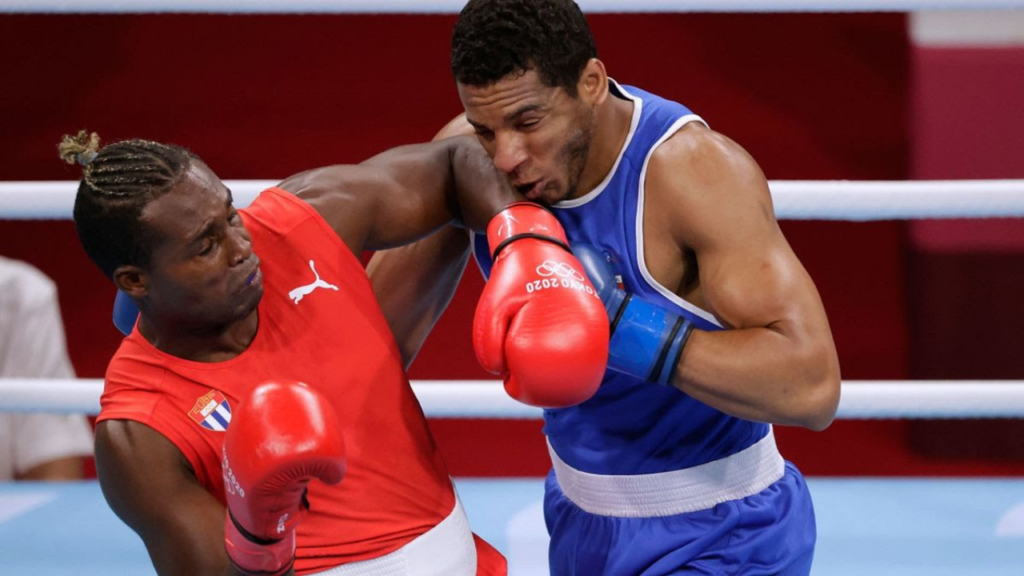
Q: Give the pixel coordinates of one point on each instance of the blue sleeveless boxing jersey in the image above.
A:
(631, 426)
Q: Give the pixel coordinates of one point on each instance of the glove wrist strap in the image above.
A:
(664, 369)
(504, 243)
(646, 339)
(256, 556)
(521, 220)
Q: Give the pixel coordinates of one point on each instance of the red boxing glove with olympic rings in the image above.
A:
(539, 322)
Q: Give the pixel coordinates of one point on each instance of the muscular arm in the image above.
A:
(778, 362)
(406, 193)
(150, 486)
(415, 283)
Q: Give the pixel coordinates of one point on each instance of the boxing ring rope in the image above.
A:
(869, 399)
(454, 6)
(807, 200)
(794, 199)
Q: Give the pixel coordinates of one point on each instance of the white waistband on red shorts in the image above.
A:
(742, 474)
(447, 548)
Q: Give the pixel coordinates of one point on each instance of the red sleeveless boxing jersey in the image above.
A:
(319, 323)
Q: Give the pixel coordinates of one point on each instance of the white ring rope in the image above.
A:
(454, 6)
(794, 199)
(487, 399)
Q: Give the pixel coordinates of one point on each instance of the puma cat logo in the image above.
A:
(300, 292)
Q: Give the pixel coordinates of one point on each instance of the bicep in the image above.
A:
(429, 185)
(749, 275)
(148, 484)
(389, 200)
(756, 280)
(418, 193)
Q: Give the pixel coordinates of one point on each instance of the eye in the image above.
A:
(206, 247)
(235, 217)
(485, 134)
(528, 124)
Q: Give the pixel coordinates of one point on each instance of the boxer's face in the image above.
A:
(539, 136)
(202, 270)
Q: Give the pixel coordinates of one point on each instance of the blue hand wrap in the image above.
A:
(125, 313)
(646, 339)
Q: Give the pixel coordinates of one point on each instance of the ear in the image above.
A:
(593, 84)
(131, 280)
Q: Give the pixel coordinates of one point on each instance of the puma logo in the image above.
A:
(300, 292)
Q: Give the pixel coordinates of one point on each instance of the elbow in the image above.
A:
(822, 402)
(821, 392)
(821, 408)
(816, 407)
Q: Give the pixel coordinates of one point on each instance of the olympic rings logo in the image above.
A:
(560, 269)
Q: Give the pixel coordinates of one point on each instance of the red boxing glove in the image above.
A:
(281, 437)
(539, 322)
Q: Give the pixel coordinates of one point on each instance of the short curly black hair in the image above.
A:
(495, 38)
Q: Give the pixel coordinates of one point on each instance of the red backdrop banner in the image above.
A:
(810, 96)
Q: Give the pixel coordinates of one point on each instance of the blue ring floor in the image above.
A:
(876, 526)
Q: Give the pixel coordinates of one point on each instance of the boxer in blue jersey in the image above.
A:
(717, 330)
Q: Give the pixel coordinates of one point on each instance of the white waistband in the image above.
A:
(447, 548)
(742, 474)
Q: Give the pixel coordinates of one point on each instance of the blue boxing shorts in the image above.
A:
(625, 533)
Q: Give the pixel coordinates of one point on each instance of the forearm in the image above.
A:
(762, 374)
(479, 189)
(415, 283)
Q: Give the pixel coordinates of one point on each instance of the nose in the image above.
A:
(241, 246)
(509, 153)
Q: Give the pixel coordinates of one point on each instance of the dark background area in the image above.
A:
(810, 96)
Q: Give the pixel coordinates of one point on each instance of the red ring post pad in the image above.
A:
(539, 322)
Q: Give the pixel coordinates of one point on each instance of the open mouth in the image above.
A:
(531, 190)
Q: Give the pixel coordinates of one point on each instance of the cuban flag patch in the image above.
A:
(212, 411)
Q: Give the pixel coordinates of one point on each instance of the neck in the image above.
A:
(611, 127)
(200, 343)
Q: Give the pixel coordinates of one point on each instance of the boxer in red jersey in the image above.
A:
(275, 292)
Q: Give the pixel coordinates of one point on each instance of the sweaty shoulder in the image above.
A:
(345, 180)
(703, 156)
(342, 195)
(277, 213)
(697, 174)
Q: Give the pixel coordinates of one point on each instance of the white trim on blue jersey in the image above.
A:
(641, 192)
(638, 105)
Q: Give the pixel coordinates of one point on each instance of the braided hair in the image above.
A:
(118, 181)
